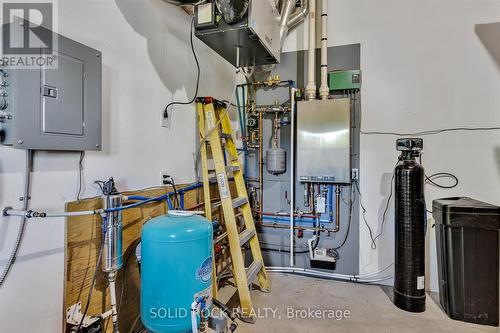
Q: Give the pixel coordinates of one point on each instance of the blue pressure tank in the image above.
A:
(176, 268)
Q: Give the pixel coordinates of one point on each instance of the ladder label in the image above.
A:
(210, 120)
(223, 189)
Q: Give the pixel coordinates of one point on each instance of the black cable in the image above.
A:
(132, 248)
(373, 245)
(432, 132)
(351, 204)
(430, 180)
(384, 216)
(175, 194)
(94, 278)
(165, 112)
(80, 174)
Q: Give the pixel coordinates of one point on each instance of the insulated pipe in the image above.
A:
(324, 91)
(299, 15)
(311, 68)
(285, 17)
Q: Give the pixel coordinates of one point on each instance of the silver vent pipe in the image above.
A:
(299, 15)
(286, 13)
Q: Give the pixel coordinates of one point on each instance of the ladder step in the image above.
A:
(238, 202)
(225, 135)
(233, 168)
(246, 235)
(220, 238)
(253, 270)
(229, 168)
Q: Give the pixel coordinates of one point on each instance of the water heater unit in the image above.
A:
(324, 141)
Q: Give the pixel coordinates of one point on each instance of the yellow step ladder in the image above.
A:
(215, 132)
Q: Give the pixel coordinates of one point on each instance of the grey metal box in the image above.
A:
(257, 36)
(323, 141)
(55, 109)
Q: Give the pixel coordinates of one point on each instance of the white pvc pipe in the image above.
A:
(112, 293)
(324, 91)
(14, 212)
(312, 272)
(292, 174)
(194, 319)
(311, 68)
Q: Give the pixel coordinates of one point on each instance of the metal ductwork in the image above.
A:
(232, 11)
(247, 33)
(286, 12)
(299, 15)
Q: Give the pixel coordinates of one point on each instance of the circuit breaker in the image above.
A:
(54, 108)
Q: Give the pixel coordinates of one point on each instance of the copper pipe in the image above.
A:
(261, 168)
(337, 209)
(285, 214)
(280, 226)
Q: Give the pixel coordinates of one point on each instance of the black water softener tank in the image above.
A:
(410, 225)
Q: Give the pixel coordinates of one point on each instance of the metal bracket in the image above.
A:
(5, 210)
(74, 316)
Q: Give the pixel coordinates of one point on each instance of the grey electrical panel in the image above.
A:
(323, 141)
(54, 108)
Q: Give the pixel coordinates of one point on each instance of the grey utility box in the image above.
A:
(323, 141)
(54, 109)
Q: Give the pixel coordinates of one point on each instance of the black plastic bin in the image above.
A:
(467, 239)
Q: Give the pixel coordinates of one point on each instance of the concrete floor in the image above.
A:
(368, 307)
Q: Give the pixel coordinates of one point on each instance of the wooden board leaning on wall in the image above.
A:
(83, 239)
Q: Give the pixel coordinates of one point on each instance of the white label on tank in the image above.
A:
(223, 189)
(420, 282)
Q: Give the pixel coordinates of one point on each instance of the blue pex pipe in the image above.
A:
(287, 220)
(145, 200)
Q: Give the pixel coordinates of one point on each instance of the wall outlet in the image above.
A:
(355, 174)
(163, 177)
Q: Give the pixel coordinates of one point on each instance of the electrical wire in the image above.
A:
(432, 131)
(351, 204)
(373, 244)
(384, 215)
(22, 227)
(165, 112)
(176, 195)
(94, 278)
(132, 248)
(80, 175)
(430, 179)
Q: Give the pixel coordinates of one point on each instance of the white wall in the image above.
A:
(424, 67)
(146, 59)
